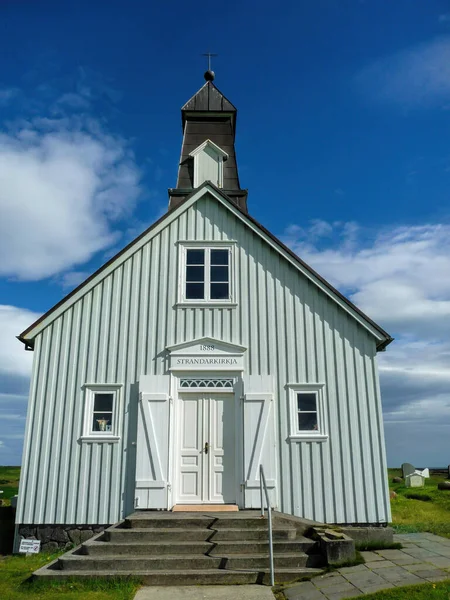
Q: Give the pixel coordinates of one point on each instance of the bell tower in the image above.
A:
(208, 149)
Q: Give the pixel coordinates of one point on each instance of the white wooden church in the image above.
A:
(202, 350)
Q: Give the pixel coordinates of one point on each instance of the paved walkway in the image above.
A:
(206, 592)
(424, 558)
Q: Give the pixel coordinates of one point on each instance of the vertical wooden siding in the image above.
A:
(119, 330)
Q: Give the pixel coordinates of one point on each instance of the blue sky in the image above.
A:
(342, 141)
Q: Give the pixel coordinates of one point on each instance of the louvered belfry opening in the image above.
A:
(208, 115)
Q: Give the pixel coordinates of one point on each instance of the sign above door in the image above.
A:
(206, 354)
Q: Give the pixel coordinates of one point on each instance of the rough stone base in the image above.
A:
(59, 537)
(7, 515)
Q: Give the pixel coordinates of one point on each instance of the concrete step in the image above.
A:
(190, 520)
(125, 536)
(188, 577)
(260, 546)
(286, 560)
(104, 548)
(178, 522)
(260, 533)
(119, 535)
(130, 564)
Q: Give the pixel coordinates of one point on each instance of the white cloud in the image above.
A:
(444, 18)
(396, 275)
(73, 278)
(399, 277)
(14, 360)
(62, 183)
(415, 77)
(65, 181)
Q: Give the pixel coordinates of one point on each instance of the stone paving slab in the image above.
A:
(206, 592)
(324, 581)
(355, 569)
(439, 561)
(377, 588)
(383, 564)
(304, 591)
(371, 556)
(364, 580)
(353, 593)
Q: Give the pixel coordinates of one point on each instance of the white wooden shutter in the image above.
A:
(152, 452)
(259, 438)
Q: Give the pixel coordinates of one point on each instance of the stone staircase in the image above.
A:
(163, 548)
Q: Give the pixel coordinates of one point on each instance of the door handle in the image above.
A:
(206, 447)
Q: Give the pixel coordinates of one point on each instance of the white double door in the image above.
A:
(206, 449)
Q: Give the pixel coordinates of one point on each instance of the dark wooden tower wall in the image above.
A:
(208, 115)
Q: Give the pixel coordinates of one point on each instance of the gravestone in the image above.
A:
(407, 469)
(426, 473)
(414, 480)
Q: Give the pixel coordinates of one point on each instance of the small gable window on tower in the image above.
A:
(206, 273)
(208, 163)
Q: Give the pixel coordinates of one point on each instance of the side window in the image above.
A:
(307, 419)
(102, 412)
(307, 412)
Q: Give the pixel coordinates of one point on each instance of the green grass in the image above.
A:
(15, 584)
(9, 482)
(420, 509)
(436, 591)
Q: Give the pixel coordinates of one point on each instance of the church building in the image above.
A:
(202, 350)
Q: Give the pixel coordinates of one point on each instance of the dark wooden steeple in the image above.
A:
(208, 115)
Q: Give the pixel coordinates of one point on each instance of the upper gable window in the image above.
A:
(208, 164)
(206, 274)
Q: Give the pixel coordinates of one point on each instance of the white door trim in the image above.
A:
(174, 438)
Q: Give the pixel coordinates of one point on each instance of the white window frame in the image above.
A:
(206, 302)
(90, 390)
(321, 435)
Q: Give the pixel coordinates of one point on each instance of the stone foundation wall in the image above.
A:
(7, 515)
(59, 537)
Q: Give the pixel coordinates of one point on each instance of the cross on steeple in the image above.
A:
(209, 55)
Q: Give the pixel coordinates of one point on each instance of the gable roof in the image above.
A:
(28, 335)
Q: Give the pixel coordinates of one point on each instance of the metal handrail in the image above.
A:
(263, 485)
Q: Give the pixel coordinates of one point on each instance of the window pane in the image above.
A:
(307, 421)
(102, 422)
(195, 291)
(103, 402)
(195, 273)
(219, 274)
(195, 257)
(219, 257)
(219, 291)
(307, 401)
